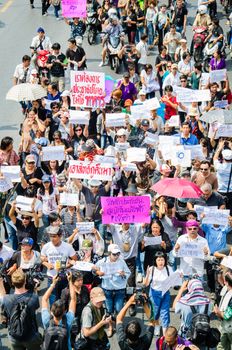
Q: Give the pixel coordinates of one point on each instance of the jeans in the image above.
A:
(56, 10)
(131, 263)
(161, 306)
(139, 263)
(179, 29)
(139, 32)
(114, 300)
(11, 234)
(45, 220)
(45, 6)
(104, 138)
(56, 293)
(150, 33)
(150, 95)
(32, 344)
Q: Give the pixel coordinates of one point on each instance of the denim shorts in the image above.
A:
(161, 306)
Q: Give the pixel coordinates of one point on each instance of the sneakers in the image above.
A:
(139, 278)
(32, 6)
(45, 14)
(157, 331)
(101, 64)
(58, 18)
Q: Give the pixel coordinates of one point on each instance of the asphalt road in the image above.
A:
(18, 25)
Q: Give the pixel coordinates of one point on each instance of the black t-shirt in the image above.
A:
(36, 174)
(160, 59)
(217, 31)
(215, 199)
(57, 70)
(143, 343)
(179, 16)
(24, 232)
(76, 56)
(32, 300)
(82, 299)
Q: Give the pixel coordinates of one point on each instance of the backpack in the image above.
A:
(20, 320)
(200, 329)
(55, 336)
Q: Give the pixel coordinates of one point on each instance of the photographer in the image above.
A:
(93, 321)
(5, 261)
(60, 318)
(20, 309)
(131, 338)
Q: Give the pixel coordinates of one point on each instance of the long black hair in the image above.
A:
(158, 222)
(42, 189)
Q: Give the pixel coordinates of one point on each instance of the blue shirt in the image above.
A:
(216, 236)
(46, 317)
(191, 140)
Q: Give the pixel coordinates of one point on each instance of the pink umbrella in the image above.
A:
(177, 188)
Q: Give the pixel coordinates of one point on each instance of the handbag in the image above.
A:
(81, 343)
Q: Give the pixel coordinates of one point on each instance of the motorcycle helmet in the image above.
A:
(202, 9)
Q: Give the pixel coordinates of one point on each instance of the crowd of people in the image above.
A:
(96, 273)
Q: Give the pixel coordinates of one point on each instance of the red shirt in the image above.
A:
(169, 111)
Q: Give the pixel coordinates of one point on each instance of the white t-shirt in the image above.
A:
(20, 72)
(49, 202)
(53, 254)
(142, 48)
(158, 276)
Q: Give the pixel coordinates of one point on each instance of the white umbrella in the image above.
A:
(26, 92)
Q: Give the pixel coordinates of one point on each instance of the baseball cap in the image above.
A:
(193, 112)
(65, 93)
(121, 132)
(40, 30)
(94, 183)
(53, 230)
(97, 294)
(128, 102)
(27, 241)
(42, 141)
(145, 122)
(114, 248)
(192, 223)
(87, 244)
(227, 154)
(30, 158)
(46, 178)
(141, 92)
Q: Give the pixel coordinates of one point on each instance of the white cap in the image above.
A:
(65, 93)
(141, 92)
(114, 248)
(227, 154)
(121, 132)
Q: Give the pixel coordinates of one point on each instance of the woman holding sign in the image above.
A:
(156, 241)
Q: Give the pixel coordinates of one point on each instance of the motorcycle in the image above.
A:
(208, 52)
(40, 62)
(92, 24)
(200, 34)
(114, 45)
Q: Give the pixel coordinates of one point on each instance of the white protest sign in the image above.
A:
(174, 121)
(90, 170)
(122, 147)
(79, 117)
(152, 103)
(188, 95)
(151, 139)
(84, 228)
(182, 158)
(224, 131)
(139, 112)
(166, 151)
(115, 119)
(24, 203)
(5, 184)
(191, 250)
(104, 159)
(129, 167)
(216, 76)
(173, 280)
(221, 104)
(227, 261)
(135, 154)
(70, 199)
(83, 266)
(173, 140)
(11, 172)
(53, 153)
(196, 151)
(204, 80)
(216, 216)
(152, 240)
(109, 269)
(199, 209)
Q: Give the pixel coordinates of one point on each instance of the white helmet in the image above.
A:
(202, 9)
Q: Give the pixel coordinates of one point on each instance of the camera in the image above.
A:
(62, 270)
(140, 297)
(33, 276)
(107, 314)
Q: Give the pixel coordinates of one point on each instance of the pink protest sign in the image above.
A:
(87, 89)
(130, 209)
(74, 8)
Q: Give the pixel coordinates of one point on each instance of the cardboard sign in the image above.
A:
(24, 203)
(152, 103)
(196, 151)
(53, 153)
(74, 8)
(224, 131)
(83, 266)
(174, 121)
(129, 209)
(87, 89)
(221, 104)
(69, 199)
(136, 154)
(191, 250)
(152, 240)
(216, 76)
(5, 184)
(11, 172)
(79, 117)
(173, 280)
(188, 95)
(85, 228)
(216, 216)
(115, 119)
(90, 170)
(122, 147)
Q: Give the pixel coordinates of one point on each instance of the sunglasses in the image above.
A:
(78, 129)
(55, 107)
(204, 169)
(115, 254)
(56, 138)
(183, 81)
(122, 136)
(192, 228)
(30, 162)
(25, 218)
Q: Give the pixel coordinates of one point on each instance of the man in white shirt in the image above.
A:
(173, 78)
(142, 51)
(55, 255)
(192, 265)
(172, 40)
(114, 273)
(40, 42)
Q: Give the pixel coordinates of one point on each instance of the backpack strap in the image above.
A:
(152, 272)
(206, 309)
(168, 271)
(193, 309)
